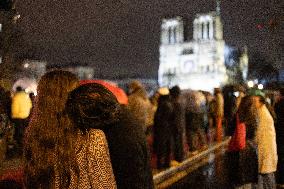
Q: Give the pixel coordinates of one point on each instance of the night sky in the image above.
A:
(122, 37)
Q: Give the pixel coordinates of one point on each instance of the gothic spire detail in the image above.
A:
(218, 7)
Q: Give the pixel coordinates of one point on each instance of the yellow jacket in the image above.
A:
(21, 105)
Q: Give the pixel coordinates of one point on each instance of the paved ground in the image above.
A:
(212, 175)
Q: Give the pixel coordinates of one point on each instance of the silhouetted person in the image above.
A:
(162, 130)
(20, 111)
(177, 122)
(279, 126)
(219, 113)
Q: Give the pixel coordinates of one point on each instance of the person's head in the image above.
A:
(175, 91)
(163, 91)
(137, 88)
(19, 88)
(134, 86)
(92, 106)
(257, 96)
(53, 89)
(217, 91)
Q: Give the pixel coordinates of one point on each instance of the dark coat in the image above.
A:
(129, 154)
(177, 124)
(248, 166)
(162, 123)
(242, 165)
(279, 126)
(178, 116)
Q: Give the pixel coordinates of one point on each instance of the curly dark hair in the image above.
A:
(49, 142)
(92, 106)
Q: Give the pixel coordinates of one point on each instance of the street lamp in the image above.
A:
(250, 84)
(26, 65)
(260, 86)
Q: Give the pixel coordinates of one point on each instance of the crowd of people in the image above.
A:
(74, 135)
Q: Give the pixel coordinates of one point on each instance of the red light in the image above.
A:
(259, 26)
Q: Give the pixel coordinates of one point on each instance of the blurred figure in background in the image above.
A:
(163, 129)
(20, 111)
(177, 122)
(279, 126)
(219, 113)
(5, 124)
(140, 105)
(210, 106)
(194, 120)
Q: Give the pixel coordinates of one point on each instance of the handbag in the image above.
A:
(238, 140)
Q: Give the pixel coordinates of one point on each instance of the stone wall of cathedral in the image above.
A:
(197, 64)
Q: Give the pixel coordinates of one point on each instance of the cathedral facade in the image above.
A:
(198, 64)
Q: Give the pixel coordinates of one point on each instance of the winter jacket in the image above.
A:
(129, 153)
(178, 116)
(266, 142)
(95, 169)
(279, 126)
(21, 105)
(141, 107)
(162, 123)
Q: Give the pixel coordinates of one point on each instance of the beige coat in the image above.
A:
(266, 142)
(94, 163)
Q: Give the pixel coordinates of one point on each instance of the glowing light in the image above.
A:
(26, 65)
(17, 17)
(259, 26)
(260, 86)
(250, 84)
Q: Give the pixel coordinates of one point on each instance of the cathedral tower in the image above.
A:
(172, 31)
(208, 26)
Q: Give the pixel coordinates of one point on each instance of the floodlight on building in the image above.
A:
(260, 86)
(250, 84)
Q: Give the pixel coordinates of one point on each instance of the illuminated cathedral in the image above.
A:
(198, 64)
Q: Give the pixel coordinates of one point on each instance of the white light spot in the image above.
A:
(260, 86)
(26, 65)
(250, 84)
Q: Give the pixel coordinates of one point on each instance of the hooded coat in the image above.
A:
(129, 153)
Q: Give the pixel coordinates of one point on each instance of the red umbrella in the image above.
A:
(118, 92)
